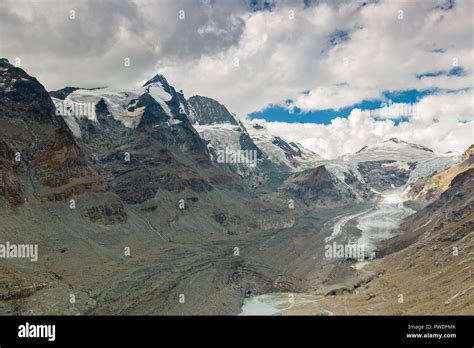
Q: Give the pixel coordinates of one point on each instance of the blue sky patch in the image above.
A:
(277, 113)
(338, 37)
(456, 71)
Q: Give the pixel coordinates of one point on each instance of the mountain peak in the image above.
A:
(257, 126)
(63, 92)
(158, 78)
(415, 146)
(393, 143)
(394, 140)
(23, 96)
(204, 110)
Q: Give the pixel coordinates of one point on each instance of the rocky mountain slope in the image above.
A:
(227, 138)
(207, 111)
(318, 188)
(426, 189)
(41, 159)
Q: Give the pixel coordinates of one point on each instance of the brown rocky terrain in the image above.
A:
(318, 188)
(11, 187)
(425, 190)
(50, 165)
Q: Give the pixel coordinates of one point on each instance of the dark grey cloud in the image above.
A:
(45, 26)
(90, 48)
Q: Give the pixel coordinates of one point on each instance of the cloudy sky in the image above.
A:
(317, 72)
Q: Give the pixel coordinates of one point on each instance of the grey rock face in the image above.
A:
(384, 175)
(205, 110)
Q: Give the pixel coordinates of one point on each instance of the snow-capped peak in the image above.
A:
(393, 144)
(158, 78)
(161, 95)
(392, 149)
(122, 104)
(415, 146)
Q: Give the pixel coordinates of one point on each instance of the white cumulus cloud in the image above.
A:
(442, 122)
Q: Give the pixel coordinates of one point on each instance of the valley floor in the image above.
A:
(166, 277)
(279, 271)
